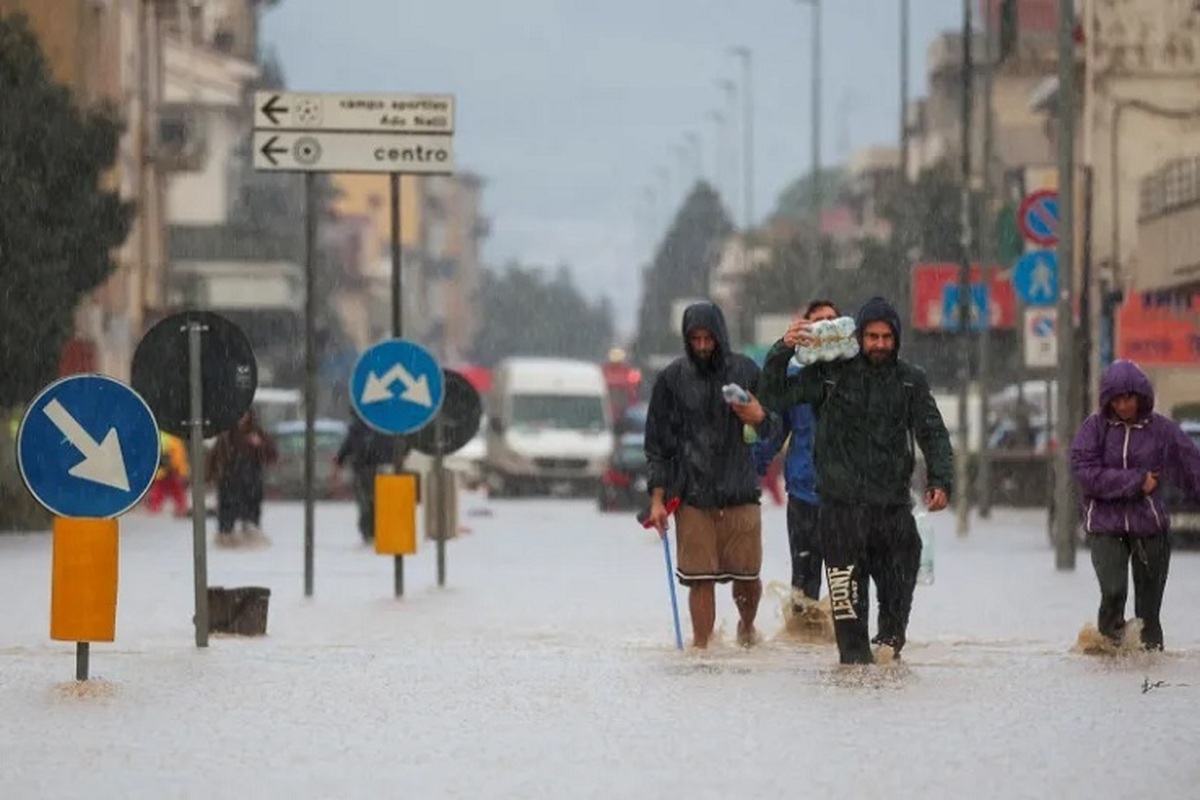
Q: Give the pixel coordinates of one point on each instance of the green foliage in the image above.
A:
(524, 314)
(795, 201)
(57, 225)
(682, 268)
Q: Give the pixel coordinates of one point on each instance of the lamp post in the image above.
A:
(815, 113)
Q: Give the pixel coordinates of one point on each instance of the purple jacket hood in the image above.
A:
(1125, 377)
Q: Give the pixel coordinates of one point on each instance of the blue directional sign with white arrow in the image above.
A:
(397, 386)
(88, 447)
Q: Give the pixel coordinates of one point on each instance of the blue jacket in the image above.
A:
(799, 422)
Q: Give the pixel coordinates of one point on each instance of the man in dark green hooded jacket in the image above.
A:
(870, 410)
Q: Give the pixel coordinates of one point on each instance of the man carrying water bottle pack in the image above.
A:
(870, 409)
(804, 544)
(698, 453)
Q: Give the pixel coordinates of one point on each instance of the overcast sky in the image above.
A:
(568, 108)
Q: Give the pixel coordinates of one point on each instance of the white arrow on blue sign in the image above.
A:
(88, 446)
(1035, 278)
(397, 386)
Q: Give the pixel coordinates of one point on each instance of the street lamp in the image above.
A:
(730, 90)
(745, 55)
(718, 120)
(693, 140)
(815, 177)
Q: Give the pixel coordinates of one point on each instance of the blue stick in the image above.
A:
(671, 586)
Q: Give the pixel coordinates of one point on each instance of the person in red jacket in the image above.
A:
(1120, 456)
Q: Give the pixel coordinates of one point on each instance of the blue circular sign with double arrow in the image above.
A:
(88, 446)
(397, 386)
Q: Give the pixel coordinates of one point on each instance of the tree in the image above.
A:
(524, 314)
(682, 267)
(795, 201)
(58, 227)
(57, 230)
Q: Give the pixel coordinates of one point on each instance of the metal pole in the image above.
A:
(744, 53)
(904, 58)
(816, 137)
(748, 99)
(443, 497)
(1064, 518)
(196, 454)
(961, 477)
(988, 257)
(310, 375)
(727, 86)
(81, 660)
(397, 332)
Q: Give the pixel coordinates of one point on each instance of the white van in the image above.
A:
(549, 427)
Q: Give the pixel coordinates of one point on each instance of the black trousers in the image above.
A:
(364, 495)
(1151, 559)
(239, 500)
(805, 545)
(864, 543)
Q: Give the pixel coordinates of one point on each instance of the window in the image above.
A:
(558, 412)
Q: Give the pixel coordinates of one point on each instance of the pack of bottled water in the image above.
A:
(830, 340)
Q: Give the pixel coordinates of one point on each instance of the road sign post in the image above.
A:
(404, 134)
(87, 450)
(1035, 278)
(397, 387)
(201, 401)
(456, 423)
(1038, 217)
(1040, 335)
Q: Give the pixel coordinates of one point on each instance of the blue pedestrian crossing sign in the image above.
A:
(88, 446)
(397, 386)
(950, 311)
(1035, 278)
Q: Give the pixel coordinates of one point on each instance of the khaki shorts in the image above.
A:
(719, 544)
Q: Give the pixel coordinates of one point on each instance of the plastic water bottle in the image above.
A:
(829, 340)
(736, 394)
(925, 529)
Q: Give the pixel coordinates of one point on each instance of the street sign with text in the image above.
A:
(412, 154)
(363, 113)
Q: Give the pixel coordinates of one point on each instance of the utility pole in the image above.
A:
(1068, 368)
(904, 132)
(729, 88)
(815, 114)
(719, 175)
(988, 256)
(962, 454)
(746, 56)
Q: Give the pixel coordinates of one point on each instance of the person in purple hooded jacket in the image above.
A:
(1119, 457)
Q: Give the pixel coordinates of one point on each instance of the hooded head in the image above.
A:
(878, 351)
(704, 335)
(1121, 381)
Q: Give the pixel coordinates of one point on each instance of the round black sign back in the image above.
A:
(227, 366)
(456, 422)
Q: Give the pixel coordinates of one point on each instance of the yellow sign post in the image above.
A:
(83, 584)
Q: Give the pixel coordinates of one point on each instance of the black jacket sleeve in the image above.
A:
(932, 437)
(781, 391)
(662, 435)
(772, 423)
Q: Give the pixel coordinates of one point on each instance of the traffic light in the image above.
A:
(1008, 28)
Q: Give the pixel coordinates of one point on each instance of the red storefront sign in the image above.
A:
(929, 286)
(1159, 329)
